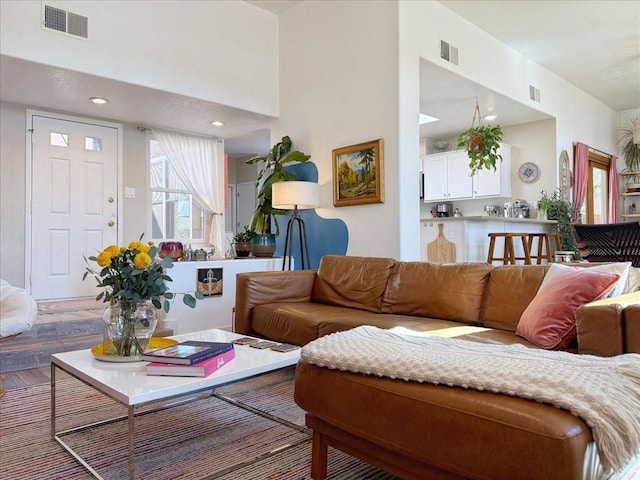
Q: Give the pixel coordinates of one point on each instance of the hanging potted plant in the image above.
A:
(482, 144)
(271, 171)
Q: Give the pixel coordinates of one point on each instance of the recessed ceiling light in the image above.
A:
(427, 119)
(217, 123)
(488, 118)
(99, 100)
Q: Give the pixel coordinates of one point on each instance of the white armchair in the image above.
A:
(18, 310)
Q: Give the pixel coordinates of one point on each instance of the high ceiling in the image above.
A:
(593, 44)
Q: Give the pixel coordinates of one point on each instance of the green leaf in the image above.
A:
(168, 295)
(189, 301)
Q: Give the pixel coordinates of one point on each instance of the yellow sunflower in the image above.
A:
(142, 260)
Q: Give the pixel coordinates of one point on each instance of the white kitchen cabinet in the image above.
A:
(489, 183)
(446, 176)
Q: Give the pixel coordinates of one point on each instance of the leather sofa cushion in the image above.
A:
(447, 291)
(467, 432)
(299, 323)
(355, 282)
(510, 290)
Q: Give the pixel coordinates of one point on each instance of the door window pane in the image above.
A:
(91, 143)
(600, 195)
(59, 139)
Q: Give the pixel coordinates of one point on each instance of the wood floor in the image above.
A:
(25, 378)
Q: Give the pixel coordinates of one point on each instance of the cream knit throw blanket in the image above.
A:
(604, 392)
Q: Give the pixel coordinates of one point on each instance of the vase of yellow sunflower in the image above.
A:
(134, 282)
(128, 327)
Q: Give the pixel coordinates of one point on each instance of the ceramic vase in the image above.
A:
(128, 328)
(263, 245)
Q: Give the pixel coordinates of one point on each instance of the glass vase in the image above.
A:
(128, 328)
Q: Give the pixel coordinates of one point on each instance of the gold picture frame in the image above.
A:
(358, 174)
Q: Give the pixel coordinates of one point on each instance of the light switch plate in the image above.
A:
(129, 192)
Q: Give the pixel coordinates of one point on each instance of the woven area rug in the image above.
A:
(210, 437)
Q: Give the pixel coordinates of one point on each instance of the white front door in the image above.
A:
(74, 203)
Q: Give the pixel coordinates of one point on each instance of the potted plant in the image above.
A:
(481, 143)
(563, 213)
(242, 242)
(543, 205)
(271, 171)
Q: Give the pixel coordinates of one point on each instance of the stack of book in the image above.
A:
(189, 359)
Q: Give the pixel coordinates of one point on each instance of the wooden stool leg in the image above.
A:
(547, 242)
(509, 254)
(492, 245)
(539, 251)
(525, 247)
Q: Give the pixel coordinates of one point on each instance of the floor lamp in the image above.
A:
(295, 196)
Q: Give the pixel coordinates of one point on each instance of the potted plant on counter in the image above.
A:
(563, 213)
(482, 144)
(242, 242)
(271, 171)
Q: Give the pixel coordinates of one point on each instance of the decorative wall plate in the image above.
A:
(528, 172)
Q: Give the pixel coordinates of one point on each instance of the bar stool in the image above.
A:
(544, 246)
(509, 255)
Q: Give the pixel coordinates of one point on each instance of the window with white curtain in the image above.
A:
(175, 214)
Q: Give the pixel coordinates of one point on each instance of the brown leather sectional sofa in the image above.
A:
(421, 431)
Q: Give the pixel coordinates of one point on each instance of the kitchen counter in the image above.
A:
(487, 218)
(471, 234)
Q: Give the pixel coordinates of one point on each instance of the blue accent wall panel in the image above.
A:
(325, 236)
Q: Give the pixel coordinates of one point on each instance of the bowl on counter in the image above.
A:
(493, 210)
(561, 256)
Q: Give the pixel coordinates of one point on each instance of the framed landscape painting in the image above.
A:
(358, 175)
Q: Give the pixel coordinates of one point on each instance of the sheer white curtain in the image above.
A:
(198, 162)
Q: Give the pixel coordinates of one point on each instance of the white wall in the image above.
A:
(221, 51)
(486, 61)
(338, 78)
(12, 193)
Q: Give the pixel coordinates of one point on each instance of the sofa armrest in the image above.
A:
(632, 328)
(601, 325)
(256, 288)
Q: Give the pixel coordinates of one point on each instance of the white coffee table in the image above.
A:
(128, 383)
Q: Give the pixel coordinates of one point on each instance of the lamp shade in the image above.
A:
(288, 195)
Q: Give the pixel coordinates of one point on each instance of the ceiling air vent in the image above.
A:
(66, 22)
(448, 52)
(534, 94)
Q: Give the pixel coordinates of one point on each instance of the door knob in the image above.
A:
(111, 223)
(110, 199)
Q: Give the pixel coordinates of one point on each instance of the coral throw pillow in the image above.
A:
(550, 319)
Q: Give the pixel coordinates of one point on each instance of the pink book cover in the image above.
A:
(201, 369)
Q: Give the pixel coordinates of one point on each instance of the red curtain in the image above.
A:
(580, 173)
(612, 214)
